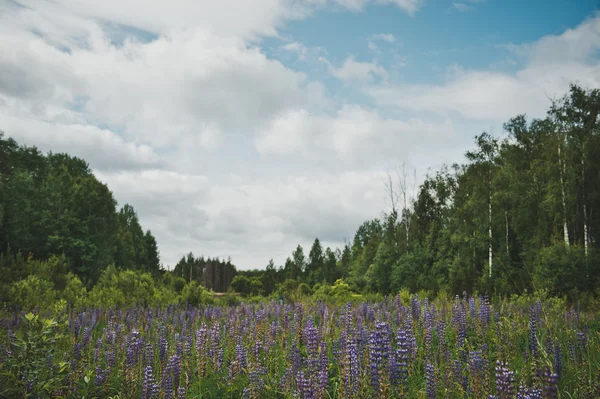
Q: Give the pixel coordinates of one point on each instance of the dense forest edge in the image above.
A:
(521, 216)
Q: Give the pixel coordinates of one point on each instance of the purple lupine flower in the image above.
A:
(533, 344)
(110, 357)
(323, 369)
(558, 363)
(86, 336)
(572, 351)
(167, 381)
(352, 371)
(416, 308)
(174, 365)
(428, 343)
(504, 381)
(148, 383)
(77, 351)
(303, 386)
(181, 393)
(149, 355)
(550, 387)
(240, 355)
(296, 358)
(477, 372)
(155, 390)
(130, 356)
(312, 346)
(163, 347)
(581, 341)
(457, 371)
(402, 354)
(100, 376)
(214, 348)
(529, 393)
(378, 351)
(97, 350)
(472, 307)
(430, 380)
(485, 311)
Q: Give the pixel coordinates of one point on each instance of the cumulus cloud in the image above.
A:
(296, 47)
(356, 71)
(550, 65)
(185, 87)
(211, 217)
(355, 137)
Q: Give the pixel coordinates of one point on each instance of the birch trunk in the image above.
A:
(585, 217)
(561, 167)
(490, 231)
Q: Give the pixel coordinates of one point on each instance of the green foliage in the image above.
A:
(567, 270)
(303, 290)
(119, 288)
(178, 284)
(194, 294)
(33, 369)
(228, 300)
(32, 292)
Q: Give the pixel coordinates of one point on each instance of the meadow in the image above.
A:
(403, 346)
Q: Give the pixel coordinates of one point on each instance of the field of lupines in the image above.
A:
(458, 348)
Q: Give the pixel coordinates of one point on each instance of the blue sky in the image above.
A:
(243, 128)
(436, 36)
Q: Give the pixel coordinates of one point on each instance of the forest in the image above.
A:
(520, 215)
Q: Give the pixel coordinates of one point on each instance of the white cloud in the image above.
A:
(249, 218)
(354, 137)
(296, 47)
(552, 63)
(101, 148)
(461, 6)
(356, 71)
(410, 6)
(185, 87)
(386, 37)
(465, 5)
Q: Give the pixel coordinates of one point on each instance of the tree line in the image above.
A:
(54, 205)
(212, 274)
(522, 214)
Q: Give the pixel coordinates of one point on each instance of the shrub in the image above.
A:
(30, 368)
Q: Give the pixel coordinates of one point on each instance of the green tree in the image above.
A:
(315, 267)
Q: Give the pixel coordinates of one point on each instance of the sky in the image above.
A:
(243, 128)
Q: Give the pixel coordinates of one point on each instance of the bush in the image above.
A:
(30, 368)
(228, 300)
(194, 294)
(117, 288)
(304, 290)
(33, 291)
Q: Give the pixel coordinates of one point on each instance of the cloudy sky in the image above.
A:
(246, 127)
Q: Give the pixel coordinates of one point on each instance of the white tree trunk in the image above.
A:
(561, 166)
(585, 218)
(490, 231)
